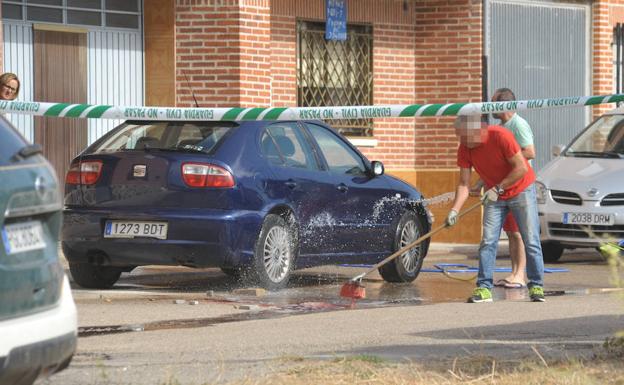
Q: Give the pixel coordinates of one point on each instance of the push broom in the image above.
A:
(354, 288)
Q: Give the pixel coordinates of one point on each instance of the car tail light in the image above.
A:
(86, 173)
(206, 175)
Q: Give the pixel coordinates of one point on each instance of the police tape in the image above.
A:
(96, 111)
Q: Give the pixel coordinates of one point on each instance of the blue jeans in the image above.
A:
(524, 209)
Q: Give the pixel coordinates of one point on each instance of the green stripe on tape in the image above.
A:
(594, 100)
(253, 114)
(56, 109)
(232, 114)
(432, 109)
(274, 113)
(97, 111)
(410, 110)
(76, 111)
(616, 98)
(453, 109)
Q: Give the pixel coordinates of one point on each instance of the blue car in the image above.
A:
(256, 198)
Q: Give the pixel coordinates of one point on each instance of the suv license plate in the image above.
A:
(23, 236)
(132, 229)
(588, 219)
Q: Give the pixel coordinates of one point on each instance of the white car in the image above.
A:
(580, 192)
(38, 323)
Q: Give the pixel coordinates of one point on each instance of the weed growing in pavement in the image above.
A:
(614, 346)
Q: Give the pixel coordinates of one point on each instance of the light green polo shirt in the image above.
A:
(521, 130)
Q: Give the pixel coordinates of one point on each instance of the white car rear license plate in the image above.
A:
(132, 229)
(23, 236)
(588, 219)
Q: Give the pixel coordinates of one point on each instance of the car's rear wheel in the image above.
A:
(274, 255)
(92, 276)
(552, 251)
(406, 267)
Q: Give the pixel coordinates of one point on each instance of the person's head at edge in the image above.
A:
(471, 130)
(9, 86)
(503, 95)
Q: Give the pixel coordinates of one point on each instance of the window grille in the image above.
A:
(336, 73)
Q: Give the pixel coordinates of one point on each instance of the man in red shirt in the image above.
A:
(494, 153)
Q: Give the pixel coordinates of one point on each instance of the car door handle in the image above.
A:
(291, 184)
(342, 187)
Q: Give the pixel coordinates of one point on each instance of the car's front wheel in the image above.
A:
(274, 254)
(92, 276)
(552, 251)
(406, 267)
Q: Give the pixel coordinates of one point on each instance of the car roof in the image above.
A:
(616, 111)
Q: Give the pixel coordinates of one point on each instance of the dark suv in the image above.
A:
(38, 323)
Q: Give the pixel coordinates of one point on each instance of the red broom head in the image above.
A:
(353, 289)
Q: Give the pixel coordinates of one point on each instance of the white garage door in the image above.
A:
(540, 49)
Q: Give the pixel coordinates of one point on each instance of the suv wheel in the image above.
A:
(552, 251)
(406, 267)
(94, 276)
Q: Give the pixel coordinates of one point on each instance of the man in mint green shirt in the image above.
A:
(524, 136)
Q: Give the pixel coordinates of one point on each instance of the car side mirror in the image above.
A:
(558, 149)
(377, 168)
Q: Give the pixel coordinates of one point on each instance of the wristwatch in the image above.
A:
(499, 189)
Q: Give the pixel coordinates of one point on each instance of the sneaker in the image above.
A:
(537, 294)
(480, 294)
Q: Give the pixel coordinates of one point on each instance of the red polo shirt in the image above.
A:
(490, 160)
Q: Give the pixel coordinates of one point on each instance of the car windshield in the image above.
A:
(603, 139)
(164, 136)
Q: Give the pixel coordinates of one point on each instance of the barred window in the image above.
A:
(100, 13)
(336, 73)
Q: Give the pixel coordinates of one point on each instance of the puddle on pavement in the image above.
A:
(308, 293)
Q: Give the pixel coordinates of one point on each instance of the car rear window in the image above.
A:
(10, 142)
(141, 136)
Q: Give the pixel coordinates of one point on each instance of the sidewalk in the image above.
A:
(461, 251)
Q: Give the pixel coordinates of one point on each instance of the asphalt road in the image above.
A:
(136, 334)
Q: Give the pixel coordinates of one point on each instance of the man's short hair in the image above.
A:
(504, 95)
(470, 122)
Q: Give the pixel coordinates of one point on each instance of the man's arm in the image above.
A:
(529, 151)
(519, 168)
(463, 188)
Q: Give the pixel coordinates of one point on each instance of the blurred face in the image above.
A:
(470, 131)
(8, 90)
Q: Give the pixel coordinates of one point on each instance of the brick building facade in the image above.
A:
(244, 53)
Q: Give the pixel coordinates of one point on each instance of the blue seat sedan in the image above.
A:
(256, 198)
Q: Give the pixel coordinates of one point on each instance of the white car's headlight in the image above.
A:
(541, 192)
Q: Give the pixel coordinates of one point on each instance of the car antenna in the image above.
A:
(190, 88)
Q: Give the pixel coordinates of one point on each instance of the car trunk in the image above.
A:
(30, 273)
(144, 179)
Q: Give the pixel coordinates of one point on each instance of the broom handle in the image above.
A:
(415, 243)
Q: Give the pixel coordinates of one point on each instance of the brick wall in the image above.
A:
(605, 15)
(207, 52)
(393, 61)
(448, 69)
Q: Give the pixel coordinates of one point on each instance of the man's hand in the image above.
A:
(451, 218)
(490, 196)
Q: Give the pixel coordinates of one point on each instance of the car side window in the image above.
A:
(284, 144)
(339, 156)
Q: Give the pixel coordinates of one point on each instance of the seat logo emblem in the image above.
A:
(40, 187)
(592, 192)
(139, 171)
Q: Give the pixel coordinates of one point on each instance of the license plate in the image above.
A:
(588, 219)
(132, 229)
(24, 236)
